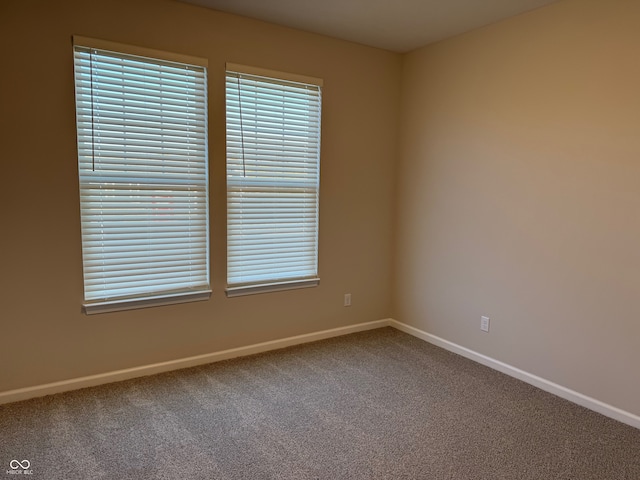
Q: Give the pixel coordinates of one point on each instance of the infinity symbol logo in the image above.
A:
(24, 464)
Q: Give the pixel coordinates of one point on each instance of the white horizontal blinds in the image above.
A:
(273, 155)
(142, 152)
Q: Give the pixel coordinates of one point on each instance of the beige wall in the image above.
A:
(44, 336)
(519, 194)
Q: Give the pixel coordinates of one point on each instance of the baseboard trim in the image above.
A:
(126, 374)
(544, 384)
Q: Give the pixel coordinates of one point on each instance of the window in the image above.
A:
(273, 174)
(141, 120)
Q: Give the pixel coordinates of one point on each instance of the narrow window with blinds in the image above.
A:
(273, 175)
(141, 118)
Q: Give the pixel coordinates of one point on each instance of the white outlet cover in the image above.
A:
(484, 324)
(347, 299)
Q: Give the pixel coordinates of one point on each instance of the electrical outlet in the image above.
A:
(484, 324)
(347, 299)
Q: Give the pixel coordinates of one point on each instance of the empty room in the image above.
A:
(347, 239)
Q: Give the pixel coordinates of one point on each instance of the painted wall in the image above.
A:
(519, 194)
(44, 336)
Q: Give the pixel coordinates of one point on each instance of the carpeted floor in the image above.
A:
(372, 405)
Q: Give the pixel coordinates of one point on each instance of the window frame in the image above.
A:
(236, 71)
(201, 288)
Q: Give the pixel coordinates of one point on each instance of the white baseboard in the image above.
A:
(543, 384)
(119, 375)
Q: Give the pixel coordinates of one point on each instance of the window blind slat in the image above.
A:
(273, 160)
(142, 162)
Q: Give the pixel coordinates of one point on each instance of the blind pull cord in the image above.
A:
(244, 167)
(93, 143)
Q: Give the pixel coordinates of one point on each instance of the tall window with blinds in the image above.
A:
(141, 120)
(273, 175)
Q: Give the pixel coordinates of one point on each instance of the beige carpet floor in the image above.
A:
(372, 405)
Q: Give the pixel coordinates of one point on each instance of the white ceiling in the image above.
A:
(396, 25)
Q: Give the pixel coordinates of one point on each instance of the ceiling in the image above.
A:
(396, 25)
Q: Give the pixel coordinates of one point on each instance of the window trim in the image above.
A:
(168, 297)
(264, 72)
(127, 49)
(146, 302)
(254, 289)
(240, 289)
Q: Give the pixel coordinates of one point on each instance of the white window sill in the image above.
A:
(237, 291)
(146, 302)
